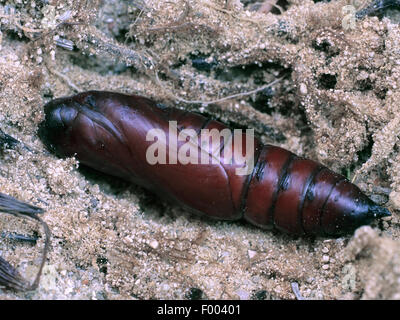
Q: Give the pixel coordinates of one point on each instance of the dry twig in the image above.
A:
(10, 277)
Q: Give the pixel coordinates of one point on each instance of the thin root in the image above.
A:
(66, 79)
(233, 96)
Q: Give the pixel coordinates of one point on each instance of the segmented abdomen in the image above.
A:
(288, 192)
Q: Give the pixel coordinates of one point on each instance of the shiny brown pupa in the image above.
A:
(107, 131)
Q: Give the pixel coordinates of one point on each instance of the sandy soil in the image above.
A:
(337, 102)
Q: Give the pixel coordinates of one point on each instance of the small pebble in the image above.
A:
(303, 89)
(154, 244)
(325, 250)
(251, 253)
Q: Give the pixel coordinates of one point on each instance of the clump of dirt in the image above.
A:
(375, 262)
(336, 101)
